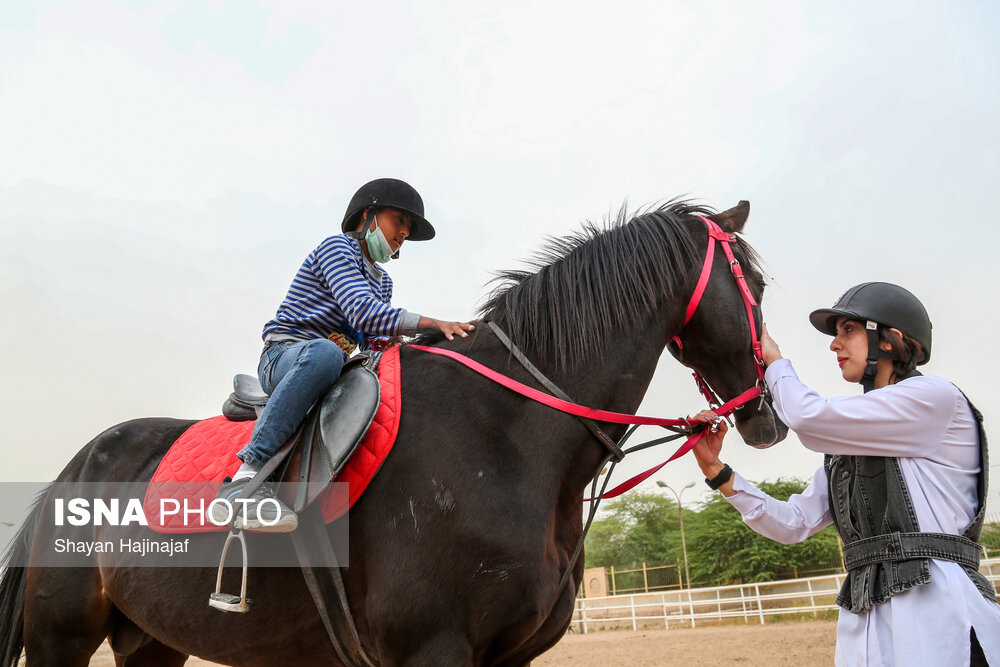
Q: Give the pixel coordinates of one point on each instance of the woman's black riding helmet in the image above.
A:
(879, 305)
(393, 193)
(884, 303)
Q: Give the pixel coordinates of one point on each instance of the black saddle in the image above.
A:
(331, 431)
(246, 401)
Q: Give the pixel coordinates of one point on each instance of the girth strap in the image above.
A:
(908, 546)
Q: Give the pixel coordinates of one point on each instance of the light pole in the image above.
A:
(680, 514)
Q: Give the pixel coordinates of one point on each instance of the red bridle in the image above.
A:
(717, 235)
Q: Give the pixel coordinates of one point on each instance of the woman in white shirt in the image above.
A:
(904, 480)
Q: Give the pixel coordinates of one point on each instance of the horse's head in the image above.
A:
(717, 341)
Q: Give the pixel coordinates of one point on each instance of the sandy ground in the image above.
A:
(774, 644)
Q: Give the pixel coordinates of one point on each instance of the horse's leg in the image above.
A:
(151, 654)
(66, 616)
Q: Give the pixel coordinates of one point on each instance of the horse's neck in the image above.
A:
(617, 378)
(616, 381)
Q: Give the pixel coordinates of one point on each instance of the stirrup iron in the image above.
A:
(227, 601)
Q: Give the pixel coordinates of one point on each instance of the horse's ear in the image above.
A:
(733, 219)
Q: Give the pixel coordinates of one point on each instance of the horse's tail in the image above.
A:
(12, 587)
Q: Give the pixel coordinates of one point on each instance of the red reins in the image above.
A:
(715, 235)
(548, 399)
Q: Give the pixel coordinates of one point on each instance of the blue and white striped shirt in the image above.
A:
(337, 291)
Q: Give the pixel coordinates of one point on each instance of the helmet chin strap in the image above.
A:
(874, 354)
(871, 369)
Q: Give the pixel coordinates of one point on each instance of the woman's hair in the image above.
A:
(905, 351)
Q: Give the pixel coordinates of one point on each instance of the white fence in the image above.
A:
(745, 601)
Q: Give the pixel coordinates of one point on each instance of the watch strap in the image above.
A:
(724, 476)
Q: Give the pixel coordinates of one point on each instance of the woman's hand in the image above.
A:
(769, 348)
(707, 450)
(449, 329)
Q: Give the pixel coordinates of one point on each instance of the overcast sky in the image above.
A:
(166, 165)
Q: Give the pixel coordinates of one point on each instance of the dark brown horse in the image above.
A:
(459, 544)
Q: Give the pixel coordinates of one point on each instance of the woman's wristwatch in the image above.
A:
(724, 475)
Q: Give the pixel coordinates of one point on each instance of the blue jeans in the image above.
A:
(295, 374)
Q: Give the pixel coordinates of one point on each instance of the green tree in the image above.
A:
(639, 527)
(723, 550)
(643, 527)
(991, 538)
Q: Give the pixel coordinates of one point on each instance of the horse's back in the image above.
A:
(126, 452)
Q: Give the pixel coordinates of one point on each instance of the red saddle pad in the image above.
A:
(205, 454)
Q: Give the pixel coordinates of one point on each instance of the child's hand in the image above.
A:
(449, 329)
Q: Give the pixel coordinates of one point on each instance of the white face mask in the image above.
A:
(378, 246)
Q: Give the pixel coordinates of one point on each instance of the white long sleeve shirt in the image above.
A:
(926, 424)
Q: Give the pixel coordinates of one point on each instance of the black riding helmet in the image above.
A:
(393, 193)
(879, 304)
(887, 304)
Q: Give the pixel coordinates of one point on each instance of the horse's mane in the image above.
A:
(582, 290)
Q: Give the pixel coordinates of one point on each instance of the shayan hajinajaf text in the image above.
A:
(125, 545)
